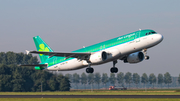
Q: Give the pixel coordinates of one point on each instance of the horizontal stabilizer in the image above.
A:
(34, 65)
(27, 52)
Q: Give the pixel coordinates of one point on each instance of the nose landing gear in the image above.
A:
(146, 57)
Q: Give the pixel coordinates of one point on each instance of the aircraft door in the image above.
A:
(138, 36)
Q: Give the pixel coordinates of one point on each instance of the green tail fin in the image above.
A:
(41, 46)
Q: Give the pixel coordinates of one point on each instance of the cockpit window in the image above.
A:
(148, 33)
(153, 32)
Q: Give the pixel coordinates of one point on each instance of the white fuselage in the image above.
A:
(117, 52)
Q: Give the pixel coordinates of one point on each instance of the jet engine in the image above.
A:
(135, 57)
(98, 57)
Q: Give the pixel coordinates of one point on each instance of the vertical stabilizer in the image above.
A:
(42, 46)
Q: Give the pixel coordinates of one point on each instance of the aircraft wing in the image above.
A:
(61, 54)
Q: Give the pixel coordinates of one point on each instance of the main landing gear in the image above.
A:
(146, 57)
(114, 69)
(89, 69)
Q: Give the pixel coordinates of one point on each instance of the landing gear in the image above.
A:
(89, 69)
(114, 69)
(146, 57)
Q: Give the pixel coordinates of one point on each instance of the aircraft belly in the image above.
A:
(68, 65)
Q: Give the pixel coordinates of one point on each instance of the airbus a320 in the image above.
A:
(130, 48)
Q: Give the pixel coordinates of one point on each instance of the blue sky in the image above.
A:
(67, 25)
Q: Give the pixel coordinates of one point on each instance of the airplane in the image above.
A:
(130, 48)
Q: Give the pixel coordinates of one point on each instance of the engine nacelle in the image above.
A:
(113, 53)
(98, 57)
(135, 57)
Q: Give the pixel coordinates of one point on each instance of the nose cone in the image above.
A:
(159, 37)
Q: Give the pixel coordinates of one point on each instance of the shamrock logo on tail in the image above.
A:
(43, 48)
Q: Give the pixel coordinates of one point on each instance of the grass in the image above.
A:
(101, 92)
(88, 99)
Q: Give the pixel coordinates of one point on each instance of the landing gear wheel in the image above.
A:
(89, 70)
(146, 57)
(114, 70)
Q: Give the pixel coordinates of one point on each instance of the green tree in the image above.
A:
(152, 79)
(160, 79)
(105, 79)
(19, 58)
(4, 69)
(5, 78)
(15, 78)
(41, 77)
(120, 78)
(91, 79)
(59, 80)
(144, 79)
(26, 58)
(17, 81)
(128, 78)
(65, 84)
(179, 79)
(69, 76)
(33, 60)
(11, 58)
(167, 78)
(76, 79)
(136, 79)
(21, 77)
(84, 79)
(26, 73)
(97, 79)
(5, 83)
(3, 58)
(53, 84)
(112, 79)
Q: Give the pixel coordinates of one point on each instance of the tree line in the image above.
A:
(27, 79)
(15, 78)
(120, 79)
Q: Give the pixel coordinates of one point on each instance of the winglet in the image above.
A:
(27, 52)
